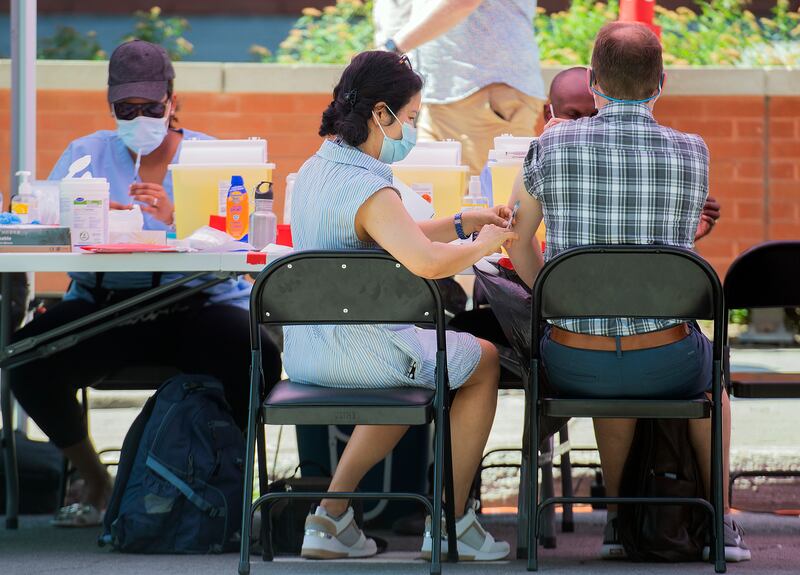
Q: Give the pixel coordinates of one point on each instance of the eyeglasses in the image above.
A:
(129, 111)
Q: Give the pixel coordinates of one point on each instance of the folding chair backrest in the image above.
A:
(765, 276)
(343, 287)
(627, 281)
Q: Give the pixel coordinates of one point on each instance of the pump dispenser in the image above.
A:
(263, 221)
(24, 204)
(474, 200)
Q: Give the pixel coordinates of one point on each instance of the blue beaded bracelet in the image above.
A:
(458, 220)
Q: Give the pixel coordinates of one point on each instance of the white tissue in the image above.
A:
(126, 220)
(208, 239)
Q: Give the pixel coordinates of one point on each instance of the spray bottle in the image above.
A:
(237, 209)
(263, 222)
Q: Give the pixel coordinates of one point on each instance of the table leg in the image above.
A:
(6, 406)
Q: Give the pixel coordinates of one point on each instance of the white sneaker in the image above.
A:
(474, 542)
(736, 549)
(329, 538)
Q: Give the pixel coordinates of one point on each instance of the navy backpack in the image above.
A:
(180, 478)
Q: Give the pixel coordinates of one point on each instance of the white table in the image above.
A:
(221, 265)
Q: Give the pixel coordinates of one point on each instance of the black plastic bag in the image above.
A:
(511, 302)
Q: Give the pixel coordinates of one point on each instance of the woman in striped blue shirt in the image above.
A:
(343, 199)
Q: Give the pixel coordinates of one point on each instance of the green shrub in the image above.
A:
(166, 32)
(332, 35)
(566, 38)
(69, 44)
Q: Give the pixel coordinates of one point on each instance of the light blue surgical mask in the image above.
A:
(396, 150)
(621, 101)
(142, 134)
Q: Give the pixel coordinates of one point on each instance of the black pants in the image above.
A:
(212, 340)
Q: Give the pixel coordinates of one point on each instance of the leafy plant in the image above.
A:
(332, 35)
(69, 44)
(166, 32)
(566, 38)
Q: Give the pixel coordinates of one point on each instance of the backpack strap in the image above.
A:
(179, 484)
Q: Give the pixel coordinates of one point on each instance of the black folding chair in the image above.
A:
(637, 282)
(338, 287)
(764, 276)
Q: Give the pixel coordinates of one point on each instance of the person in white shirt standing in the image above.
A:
(480, 63)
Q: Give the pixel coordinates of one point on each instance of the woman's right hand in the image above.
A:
(491, 238)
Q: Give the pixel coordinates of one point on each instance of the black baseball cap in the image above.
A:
(139, 69)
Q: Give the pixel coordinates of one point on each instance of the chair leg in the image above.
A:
(716, 466)
(449, 494)
(522, 498)
(436, 519)
(265, 536)
(533, 480)
(548, 530)
(567, 518)
(253, 420)
(6, 407)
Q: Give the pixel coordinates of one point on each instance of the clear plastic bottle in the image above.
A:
(263, 221)
(474, 200)
(25, 204)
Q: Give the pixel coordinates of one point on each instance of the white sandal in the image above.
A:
(78, 515)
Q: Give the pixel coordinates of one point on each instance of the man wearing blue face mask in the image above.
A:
(207, 333)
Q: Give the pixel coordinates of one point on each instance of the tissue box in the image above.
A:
(34, 238)
(151, 237)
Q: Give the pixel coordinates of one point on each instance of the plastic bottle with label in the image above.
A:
(24, 204)
(237, 209)
(474, 200)
(263, 221)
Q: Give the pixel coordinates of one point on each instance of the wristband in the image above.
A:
(459, 223)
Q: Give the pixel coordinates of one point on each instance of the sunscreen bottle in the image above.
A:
(237, 209)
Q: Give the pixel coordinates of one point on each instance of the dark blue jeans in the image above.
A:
(679, 370)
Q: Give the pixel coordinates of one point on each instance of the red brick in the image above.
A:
(749, 128)
(734, 107)
(783, 170)
(729, 149)
(208, 102)
(712, 247)
(784, 231)
(749, 170)
(707, 128)
(784, 107)
(783, 211)
(784, 149)
(783, 129)
(785, 191)
(737, 230)
(735, 189)
(679, 106)
(749, 210)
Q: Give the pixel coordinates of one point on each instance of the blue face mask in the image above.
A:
(396, 150)
(619, 101)
(142, 134)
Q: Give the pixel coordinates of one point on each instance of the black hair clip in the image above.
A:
(351, 97)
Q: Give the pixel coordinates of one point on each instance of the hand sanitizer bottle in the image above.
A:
(474, 200)
(24, 204)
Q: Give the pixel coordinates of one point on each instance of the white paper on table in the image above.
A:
(419, 209)
(275, 251)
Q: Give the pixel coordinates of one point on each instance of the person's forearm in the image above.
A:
(445, 15)
(439, 230)
(446, 260)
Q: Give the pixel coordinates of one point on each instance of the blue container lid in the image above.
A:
(237, 181)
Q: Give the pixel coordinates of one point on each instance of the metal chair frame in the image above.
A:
(709, 305)
(423, 308)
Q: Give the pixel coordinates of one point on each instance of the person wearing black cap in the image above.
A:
(205, 334)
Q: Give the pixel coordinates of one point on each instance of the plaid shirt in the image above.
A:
(617, 178)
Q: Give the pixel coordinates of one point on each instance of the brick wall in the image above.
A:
(758, 183)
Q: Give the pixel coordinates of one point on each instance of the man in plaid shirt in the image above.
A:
(621, 178)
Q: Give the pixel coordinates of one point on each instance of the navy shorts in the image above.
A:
(679, 370)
